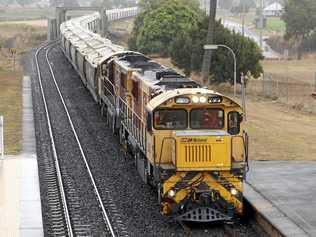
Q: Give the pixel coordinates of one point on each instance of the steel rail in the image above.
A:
(53, 146)
(105, 215)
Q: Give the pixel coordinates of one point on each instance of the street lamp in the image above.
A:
(216, 46)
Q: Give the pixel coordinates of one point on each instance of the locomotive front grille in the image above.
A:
(197, 153)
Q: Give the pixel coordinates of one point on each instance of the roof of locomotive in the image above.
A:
(162, 98)
(154, 73)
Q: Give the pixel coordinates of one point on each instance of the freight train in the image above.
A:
(188, 142)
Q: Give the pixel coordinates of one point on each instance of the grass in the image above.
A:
(34, 23)
(22, 37)
(275, 24)
(11, 109)
(24, 14)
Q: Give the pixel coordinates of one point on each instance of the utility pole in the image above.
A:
(261, 23)
(243, 17)
(207, 59)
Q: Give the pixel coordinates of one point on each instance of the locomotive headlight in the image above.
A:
(203, 99)
(195, 99)
(171, 193)
(182, 100)
(215, 100)
(234, 191)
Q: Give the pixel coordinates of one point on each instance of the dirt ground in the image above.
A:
(297, 70)
(280, 133)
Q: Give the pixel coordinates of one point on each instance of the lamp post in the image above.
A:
(216, 46)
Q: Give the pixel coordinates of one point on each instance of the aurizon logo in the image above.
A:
(193, 140)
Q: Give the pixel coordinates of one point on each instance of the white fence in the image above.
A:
(1, 138)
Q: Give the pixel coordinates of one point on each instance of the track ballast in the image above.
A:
(76, 207)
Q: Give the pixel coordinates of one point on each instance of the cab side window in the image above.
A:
(234, 119)
(104, 70)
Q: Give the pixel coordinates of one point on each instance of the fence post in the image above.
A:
(263, 81)
(315, 83)
(287, 89)
(1, 138)
(277, 89)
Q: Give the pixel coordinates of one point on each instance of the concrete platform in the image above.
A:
(20, 203)
(284, 193)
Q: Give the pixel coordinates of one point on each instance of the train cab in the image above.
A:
(198, 147)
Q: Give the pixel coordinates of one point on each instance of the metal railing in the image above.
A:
(134, 124)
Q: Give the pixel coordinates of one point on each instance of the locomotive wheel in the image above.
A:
(123, 141)
(122, 137)
(105, 114)
(109, 119)
(140, 166)
(112, 124)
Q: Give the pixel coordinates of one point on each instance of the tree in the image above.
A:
(175, 30)
(157, 25)
(247, 52)
(147, 7)
(300, 20)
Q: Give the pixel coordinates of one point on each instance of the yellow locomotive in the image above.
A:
(189, 142)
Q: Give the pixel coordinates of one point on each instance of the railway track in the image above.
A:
(68, 214)
(141, 219)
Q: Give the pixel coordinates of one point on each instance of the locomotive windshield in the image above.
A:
(168, 119)
(175, 119)
(207, 119)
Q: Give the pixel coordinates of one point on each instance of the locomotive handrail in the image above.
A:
(245, 146)
(120, 98)
(113, 86)
(139, 132)
(160, 155)
(113, 103)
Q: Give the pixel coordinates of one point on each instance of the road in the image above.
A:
(268, 53)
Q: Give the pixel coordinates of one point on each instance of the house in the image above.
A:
(275, 9)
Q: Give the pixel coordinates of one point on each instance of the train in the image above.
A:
(188, 142)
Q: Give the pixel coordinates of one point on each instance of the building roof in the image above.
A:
(274, 7)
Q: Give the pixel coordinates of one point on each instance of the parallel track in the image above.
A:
(62, 196)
